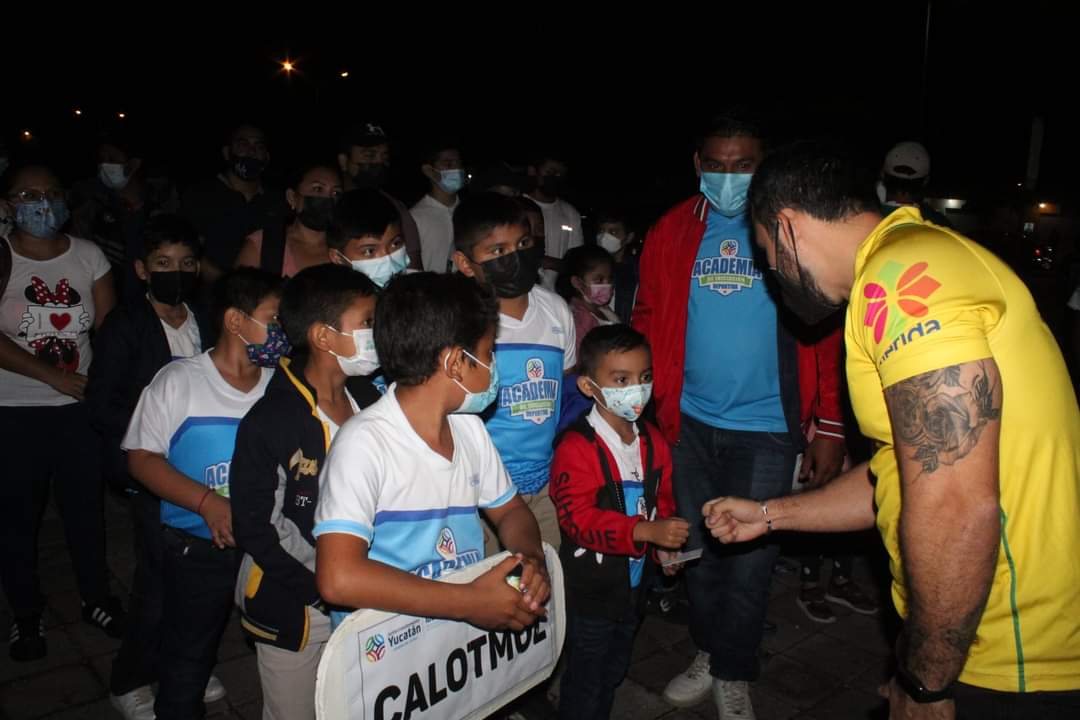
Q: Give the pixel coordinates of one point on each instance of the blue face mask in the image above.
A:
(451, 181)
(42, 218)
(626, 402)
(381, 269)
(726, 191)
(478, 402)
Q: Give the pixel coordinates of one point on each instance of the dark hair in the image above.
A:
(7, 181)
(576, 263)
(360, 213)
(605, 339)
(430, 151)
(612, 215)
(120, 140)
(544, 155)
(819, 177)
(321, 293)
(233, 131)
(298, 175)
(477, 216)
(735, 122)
(362, 135)
(169, 229)
(243, 288)
(421, 314)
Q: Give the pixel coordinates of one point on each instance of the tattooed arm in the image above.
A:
(945, 429)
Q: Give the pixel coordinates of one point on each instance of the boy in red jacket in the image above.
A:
(611, 485)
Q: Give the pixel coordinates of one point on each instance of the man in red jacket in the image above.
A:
(728, 398)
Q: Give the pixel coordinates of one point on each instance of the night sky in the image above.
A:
(621, 92)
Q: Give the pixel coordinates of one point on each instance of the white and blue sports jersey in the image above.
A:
(630, 476)
(532, 354)
(189, 414)
(417, 510)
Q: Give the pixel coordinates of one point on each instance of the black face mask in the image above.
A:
(173, 287)
(512, 275)
(802, 297)
(371, 176)
(247, 168)
(317, 212)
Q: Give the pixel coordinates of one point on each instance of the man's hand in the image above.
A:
(495, 604)
(822, 462)
(734, 520)
(902, 707)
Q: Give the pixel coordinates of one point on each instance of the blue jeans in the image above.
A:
(597, 658)
(728, 588)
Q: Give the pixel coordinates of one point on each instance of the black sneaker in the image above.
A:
(108, 615)
(28, 639)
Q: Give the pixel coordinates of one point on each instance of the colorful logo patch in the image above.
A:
(726, 273)
(446, 546)
(375, 648)
(898, 295)
(533, 400)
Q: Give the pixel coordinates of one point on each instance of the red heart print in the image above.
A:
(60, 321)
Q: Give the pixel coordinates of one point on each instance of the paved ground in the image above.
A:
(809, 670)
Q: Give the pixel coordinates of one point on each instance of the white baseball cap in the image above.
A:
(907, 160)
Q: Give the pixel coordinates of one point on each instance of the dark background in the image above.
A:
(619, 90)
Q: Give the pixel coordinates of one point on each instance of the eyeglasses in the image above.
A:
(32, 196)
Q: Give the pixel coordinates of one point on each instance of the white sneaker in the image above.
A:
(691, 687)
(732, 699)
(135, 705)
(214, 690)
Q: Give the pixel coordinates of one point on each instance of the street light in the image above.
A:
(78, 112)
(344, 73)
(121, 115)
(288, 66)
(27, 135)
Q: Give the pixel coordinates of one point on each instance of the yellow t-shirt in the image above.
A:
(926, 298)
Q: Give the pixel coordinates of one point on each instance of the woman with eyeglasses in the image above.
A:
(59, 289)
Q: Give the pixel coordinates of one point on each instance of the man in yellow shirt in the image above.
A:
(975, 481)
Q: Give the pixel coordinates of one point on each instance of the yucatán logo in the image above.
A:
(533, 400)
(446, 548)
(727, 272)
(375, 648)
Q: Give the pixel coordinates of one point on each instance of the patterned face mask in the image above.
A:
(267, 353)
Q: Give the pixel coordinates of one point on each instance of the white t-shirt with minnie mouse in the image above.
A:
(48, 310)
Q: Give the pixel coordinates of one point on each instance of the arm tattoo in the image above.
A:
(939, 417)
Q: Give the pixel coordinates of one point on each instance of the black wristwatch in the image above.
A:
(917, 690)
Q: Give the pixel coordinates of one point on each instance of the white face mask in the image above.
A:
(364, 360)
(113, 175)
(609, 242)
(381, 269)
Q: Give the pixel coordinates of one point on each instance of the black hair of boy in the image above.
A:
(360, 213)
(320, 294)
(168, 229)
(576, 263)
(421, 314)
(477, 216)
(606, 339)
(243, 288)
